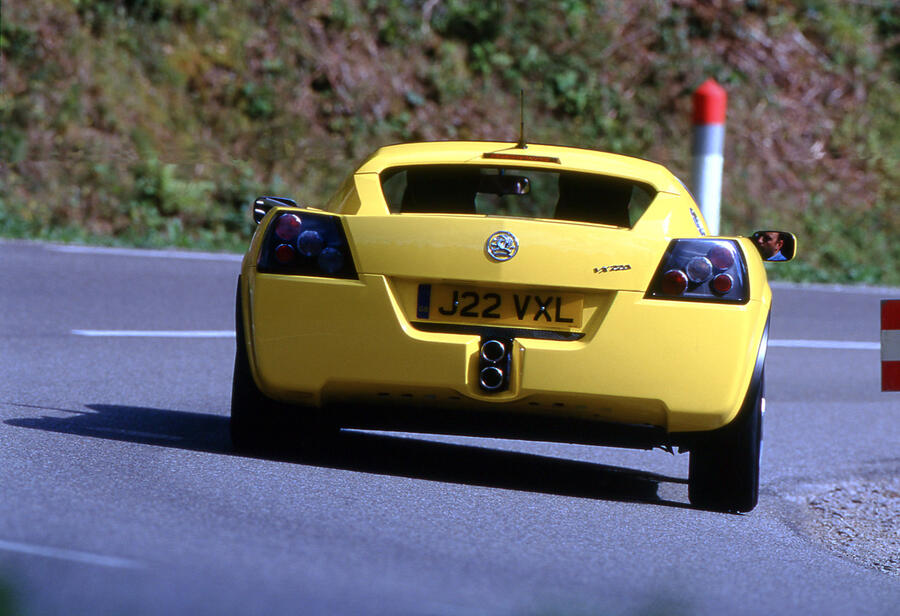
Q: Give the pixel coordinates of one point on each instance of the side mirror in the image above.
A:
(775, 246)
(263, 204)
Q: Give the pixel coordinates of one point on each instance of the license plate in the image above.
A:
(540, 309)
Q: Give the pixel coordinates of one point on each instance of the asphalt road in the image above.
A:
(119, 492)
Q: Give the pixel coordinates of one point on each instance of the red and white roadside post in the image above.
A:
(710, 101)
(890, 345)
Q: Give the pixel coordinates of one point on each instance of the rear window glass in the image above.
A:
(528, 193)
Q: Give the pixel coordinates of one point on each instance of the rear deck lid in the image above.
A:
(508, 224)
(503, 251)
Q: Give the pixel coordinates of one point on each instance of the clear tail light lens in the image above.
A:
(306, 244)
(310, 243)
(699, 269)
(704, 270)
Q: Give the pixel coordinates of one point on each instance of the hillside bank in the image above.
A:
(155, 122)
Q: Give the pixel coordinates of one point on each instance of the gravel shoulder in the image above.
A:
(859, 519)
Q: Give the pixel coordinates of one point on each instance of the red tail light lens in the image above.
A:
(704, 270)
(720, 257)
(674, 282)
(287, 227)
(721, 284)
(306, 244)
(284, 253)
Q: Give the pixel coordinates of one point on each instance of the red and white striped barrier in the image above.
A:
(707, 151)
(890, 345)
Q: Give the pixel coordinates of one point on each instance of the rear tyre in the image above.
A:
(724, 471)
(259, 423)
(254, 417)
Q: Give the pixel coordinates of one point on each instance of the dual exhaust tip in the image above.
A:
(494, 364)
(491, 378)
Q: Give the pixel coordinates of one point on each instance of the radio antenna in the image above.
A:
(521, 144)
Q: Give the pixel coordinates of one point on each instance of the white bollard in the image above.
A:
(709, 101)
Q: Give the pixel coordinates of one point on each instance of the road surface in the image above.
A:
(120, 494)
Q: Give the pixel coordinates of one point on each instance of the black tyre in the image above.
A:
(724, 471)
(259, 423)
(256, 420)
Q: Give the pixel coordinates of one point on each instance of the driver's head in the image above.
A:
(769, 243)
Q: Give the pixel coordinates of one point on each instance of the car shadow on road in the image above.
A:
(385, 454)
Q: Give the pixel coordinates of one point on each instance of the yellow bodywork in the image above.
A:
(684, 366)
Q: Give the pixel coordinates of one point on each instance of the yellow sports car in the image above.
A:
(509, 290)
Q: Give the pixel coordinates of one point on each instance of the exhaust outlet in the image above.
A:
(495, 363)
(492, 378)
(493, 351)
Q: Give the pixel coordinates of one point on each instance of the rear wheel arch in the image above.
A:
(724, 464)
(257, 421)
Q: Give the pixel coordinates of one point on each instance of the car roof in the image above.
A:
(552, 157)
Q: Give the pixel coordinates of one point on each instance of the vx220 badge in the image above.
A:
(502, 246)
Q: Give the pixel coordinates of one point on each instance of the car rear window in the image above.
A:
(504, 191)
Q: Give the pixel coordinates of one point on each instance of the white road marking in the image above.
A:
(140, 252)
(850, 289)
(72, 555)
(158, 333)
(840, 345)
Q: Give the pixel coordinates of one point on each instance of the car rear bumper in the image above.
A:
(674, 365)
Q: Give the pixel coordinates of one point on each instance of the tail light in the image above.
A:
(703, 270)
(306, 244)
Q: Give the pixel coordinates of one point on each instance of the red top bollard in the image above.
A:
(707, 150)
(890, 345)
(710, 100)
